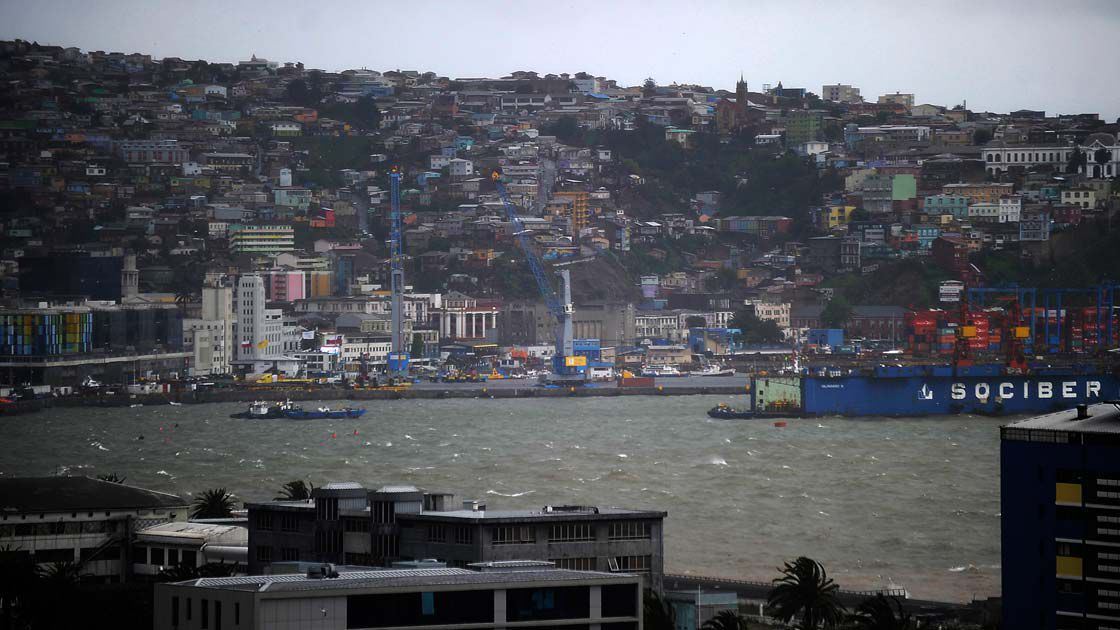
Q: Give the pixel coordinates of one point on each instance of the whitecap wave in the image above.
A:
(716, 460)
(514, 494)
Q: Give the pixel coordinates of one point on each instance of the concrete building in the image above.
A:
(187, 544)
(210, 338)
(461, 317)
(345, 523)
(261, 239)
(841, 94)
(81, 520)
(264, 340)
(906, 100)
(982, 192)
(1060, 501)
(498, 596)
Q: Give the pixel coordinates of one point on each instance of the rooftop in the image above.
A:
(75, 494)
(546, 513)
(395, 578)
(1103, 418)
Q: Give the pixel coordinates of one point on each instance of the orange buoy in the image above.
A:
(780, 423)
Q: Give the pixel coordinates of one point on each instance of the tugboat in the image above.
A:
(659, 371)
(299, 413)
(713, 369)
(723, 411)
(263, 410)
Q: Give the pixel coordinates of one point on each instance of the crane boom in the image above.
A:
(565, 363)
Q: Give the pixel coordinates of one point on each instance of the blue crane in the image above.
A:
(566, 365)
(398, 354)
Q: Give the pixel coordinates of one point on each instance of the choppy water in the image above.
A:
(915, 501)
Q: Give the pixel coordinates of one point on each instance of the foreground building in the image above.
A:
(1060, 502)
(344, 523)
(524, 595)
(88, 522)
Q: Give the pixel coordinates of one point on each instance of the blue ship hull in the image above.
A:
(315, 414)
(980, 390)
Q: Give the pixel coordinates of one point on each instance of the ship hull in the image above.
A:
(929, 395)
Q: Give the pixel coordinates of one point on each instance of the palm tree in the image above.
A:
(881, 613)
(296, 490)
(656, 613)
(212, 503)
(182, 573)
(805, 590)
(726, 620)
(112, 478)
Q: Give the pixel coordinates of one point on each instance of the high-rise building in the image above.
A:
(1060, 519)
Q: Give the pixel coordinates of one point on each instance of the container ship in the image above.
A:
(971, 360)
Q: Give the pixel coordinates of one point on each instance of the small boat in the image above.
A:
(713, 369)
(660, 371)
(299, 413)
(263, 410)
(726, 412)
(175, 404)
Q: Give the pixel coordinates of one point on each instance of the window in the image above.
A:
(289, 554)
(189, 607)
(574, 564)
(464, 535)
(629, 530)
(204, 614)
(513, 535)
(413, 609)
(157, 557)
(189, 558)
(437, 533)
(264, 553)
(174, 611)
(172, 556)
(264, 520)
(355, 524)
(631, 564)
(237, 613)
(571, 532)
(620, 600)
(217, 615)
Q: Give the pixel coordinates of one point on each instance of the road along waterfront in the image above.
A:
(909, 500)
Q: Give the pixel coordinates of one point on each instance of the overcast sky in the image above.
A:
(998, 55)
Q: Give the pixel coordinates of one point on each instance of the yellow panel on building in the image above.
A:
(1069, 567)
(576, 361)
(1067, 493)
(1022, 332)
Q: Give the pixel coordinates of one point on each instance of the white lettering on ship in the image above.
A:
(1006, 391)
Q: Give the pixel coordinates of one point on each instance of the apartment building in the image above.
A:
(1060, 505)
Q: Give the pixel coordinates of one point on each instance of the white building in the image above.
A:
(1010, 207)
(263, 338)
(80, 520)
(210, 337)
(438, 161)
(461, 168)
(1000, 159)
(186, 544)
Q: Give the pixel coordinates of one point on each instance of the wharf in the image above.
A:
(730, 386)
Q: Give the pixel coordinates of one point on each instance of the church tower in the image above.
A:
(741, 100)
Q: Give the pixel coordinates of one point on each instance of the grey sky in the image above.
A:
(1034, 54)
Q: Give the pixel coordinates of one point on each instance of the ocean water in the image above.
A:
(913, 502)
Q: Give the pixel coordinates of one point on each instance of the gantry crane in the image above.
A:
(398, 353)
(567, 366)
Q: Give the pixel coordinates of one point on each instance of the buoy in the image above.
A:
(355, 431)
(334, 435)
(780, 423)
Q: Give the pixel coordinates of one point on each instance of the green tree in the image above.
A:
(366, 112)
(754, 330)
(649, 87)
(111, 478)
(695, 321)
(297, 490)
(417, 350)
(1101, 156)
(722, 280)
(181, 573)
(212, 503)
(837, 312)
(297, 92)
(1077, 161)
(726, 620)
(981, 136)
(806, 591)
(881, 613)
(566, 129)
(656, 613)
